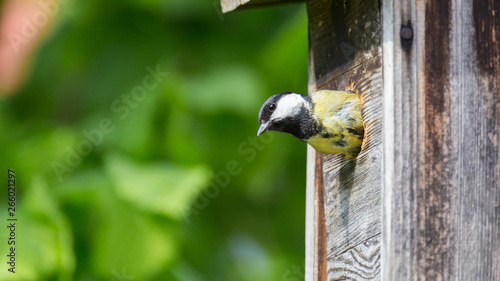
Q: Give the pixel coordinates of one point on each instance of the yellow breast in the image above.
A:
(339, 114)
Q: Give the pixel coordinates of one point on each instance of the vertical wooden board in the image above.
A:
(441, 192)
(311, 220)
(345, 44)
(438, 163)
(352, 187)
(475, 65)
(401, 139)
(315, 238)
(321, 231)
(343, 34)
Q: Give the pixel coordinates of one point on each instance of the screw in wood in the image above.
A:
(406, 33)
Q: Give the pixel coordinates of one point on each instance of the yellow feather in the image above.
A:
(339, 114)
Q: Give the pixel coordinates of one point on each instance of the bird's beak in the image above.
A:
(263, 128)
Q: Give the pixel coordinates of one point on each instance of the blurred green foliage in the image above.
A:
(180, 188)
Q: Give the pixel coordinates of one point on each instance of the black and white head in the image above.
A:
(287, 112)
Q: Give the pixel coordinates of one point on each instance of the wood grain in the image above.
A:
(345, 40)
(441, 170)
(311, 270)
(343, 35)
(359, 263)
(313, 221)
(321, 246)
(352, 188)
(237, 5)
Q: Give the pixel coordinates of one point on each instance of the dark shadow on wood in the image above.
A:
(346, 180)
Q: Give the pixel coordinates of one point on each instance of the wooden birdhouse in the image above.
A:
(422, 200)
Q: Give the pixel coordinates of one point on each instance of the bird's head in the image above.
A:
(285, 112)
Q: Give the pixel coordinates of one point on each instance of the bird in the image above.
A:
(330, 121)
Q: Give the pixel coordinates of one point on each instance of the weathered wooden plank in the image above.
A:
(441, 171)
(343, 34)
(359, 263)
(236, 5)
(345, 40)
(352, 188)
(311, 220)
(316, 248)
(321, 238)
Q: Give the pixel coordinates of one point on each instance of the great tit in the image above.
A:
(330, 121)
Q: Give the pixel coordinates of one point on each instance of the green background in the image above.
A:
(180, 187)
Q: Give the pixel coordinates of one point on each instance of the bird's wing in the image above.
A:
(329, 103)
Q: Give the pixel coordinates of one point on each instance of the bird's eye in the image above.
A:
(272, 106)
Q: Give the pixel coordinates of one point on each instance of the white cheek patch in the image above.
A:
(288, 106)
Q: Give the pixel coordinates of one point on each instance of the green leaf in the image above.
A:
(162, 188)
(130, 244)
(232, 88)
(44, 239)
